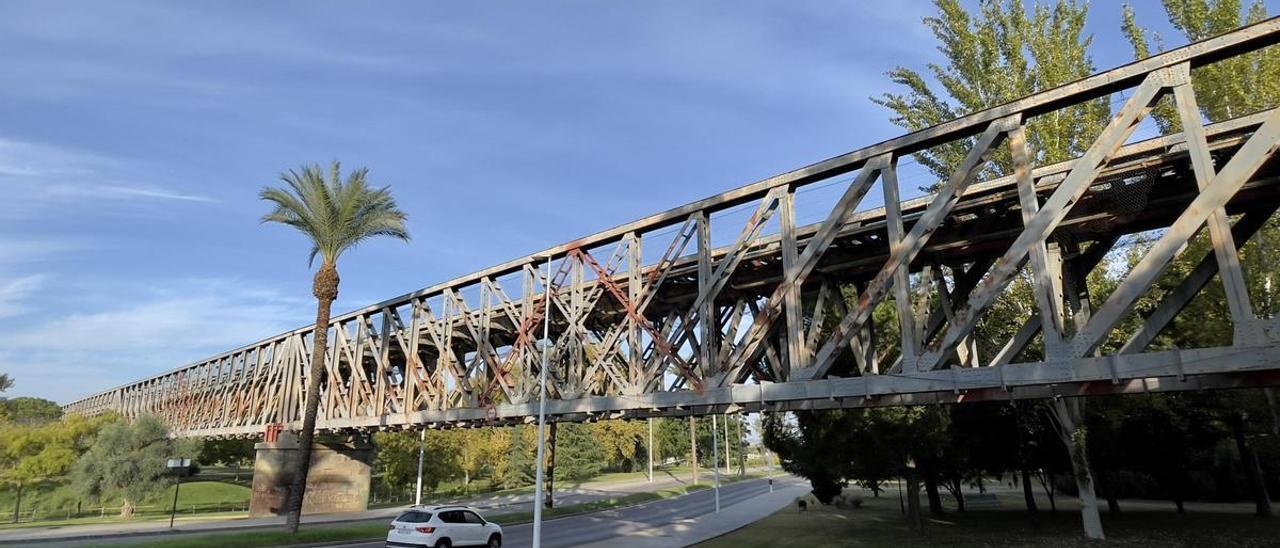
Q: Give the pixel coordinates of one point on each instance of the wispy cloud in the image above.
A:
(24, 249)
(79, 352)
(14, 292)
(156, 193)
(35, 177)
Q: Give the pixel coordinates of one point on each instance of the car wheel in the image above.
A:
(495, 541)
(444, 543)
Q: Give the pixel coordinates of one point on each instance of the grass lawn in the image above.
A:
(879, 523)
(205, 494)
(55, 504)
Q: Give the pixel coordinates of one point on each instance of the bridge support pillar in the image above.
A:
(338, 481)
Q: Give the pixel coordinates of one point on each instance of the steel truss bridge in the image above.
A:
(656, 317)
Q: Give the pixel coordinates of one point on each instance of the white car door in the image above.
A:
(475, 528)
(455, 527)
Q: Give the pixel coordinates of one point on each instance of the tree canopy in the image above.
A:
(29, 411)
(999, 54)
(335, 214)
(128, 461)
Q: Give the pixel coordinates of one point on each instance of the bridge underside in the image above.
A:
(865, 307)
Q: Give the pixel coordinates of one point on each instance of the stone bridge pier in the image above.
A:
(338, 482)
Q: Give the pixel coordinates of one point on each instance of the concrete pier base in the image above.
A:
(338, 481)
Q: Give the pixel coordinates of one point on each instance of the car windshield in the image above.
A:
(414, 517)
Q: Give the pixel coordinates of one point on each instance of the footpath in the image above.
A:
(705, 527)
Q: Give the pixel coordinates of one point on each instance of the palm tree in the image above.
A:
(336, 215)
(5, 382)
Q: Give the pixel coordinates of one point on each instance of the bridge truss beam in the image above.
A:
(658, 317)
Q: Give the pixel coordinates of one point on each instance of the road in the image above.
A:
(614, 525)
(58, 536)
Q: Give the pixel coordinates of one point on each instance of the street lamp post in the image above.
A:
(178, 467)
(422, 444)
(542, 409)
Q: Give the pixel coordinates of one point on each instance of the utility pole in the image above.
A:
(422, 445)
(542, 409)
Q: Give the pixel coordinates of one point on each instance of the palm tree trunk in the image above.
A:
(325, 289)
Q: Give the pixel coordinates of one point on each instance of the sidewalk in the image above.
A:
(494, 503)
(685, 532)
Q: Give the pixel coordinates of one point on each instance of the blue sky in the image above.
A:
(134, 137)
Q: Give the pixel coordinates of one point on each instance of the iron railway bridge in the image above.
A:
(665, 317)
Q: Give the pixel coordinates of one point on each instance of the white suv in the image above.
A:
(442, 527)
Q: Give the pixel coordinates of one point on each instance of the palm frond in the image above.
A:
(334, 212)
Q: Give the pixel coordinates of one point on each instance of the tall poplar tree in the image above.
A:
(995, 56)
(1226, 89)
(1000, 54)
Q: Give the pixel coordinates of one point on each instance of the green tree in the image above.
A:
(996, 56)
(336, 215)
(397, 458)
(30, 411)
(234, 453)
(829, 448)
(521, 463)
(670, 439)
(32, 454)
(580, 451)
(6, 382)
(816, 445)
(128, 461)
(1226, 89)
(480, 450)
(621, 443)
(1000, 54)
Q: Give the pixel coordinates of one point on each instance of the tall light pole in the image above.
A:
(422, 445)
(542, 409)
(715, 459)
